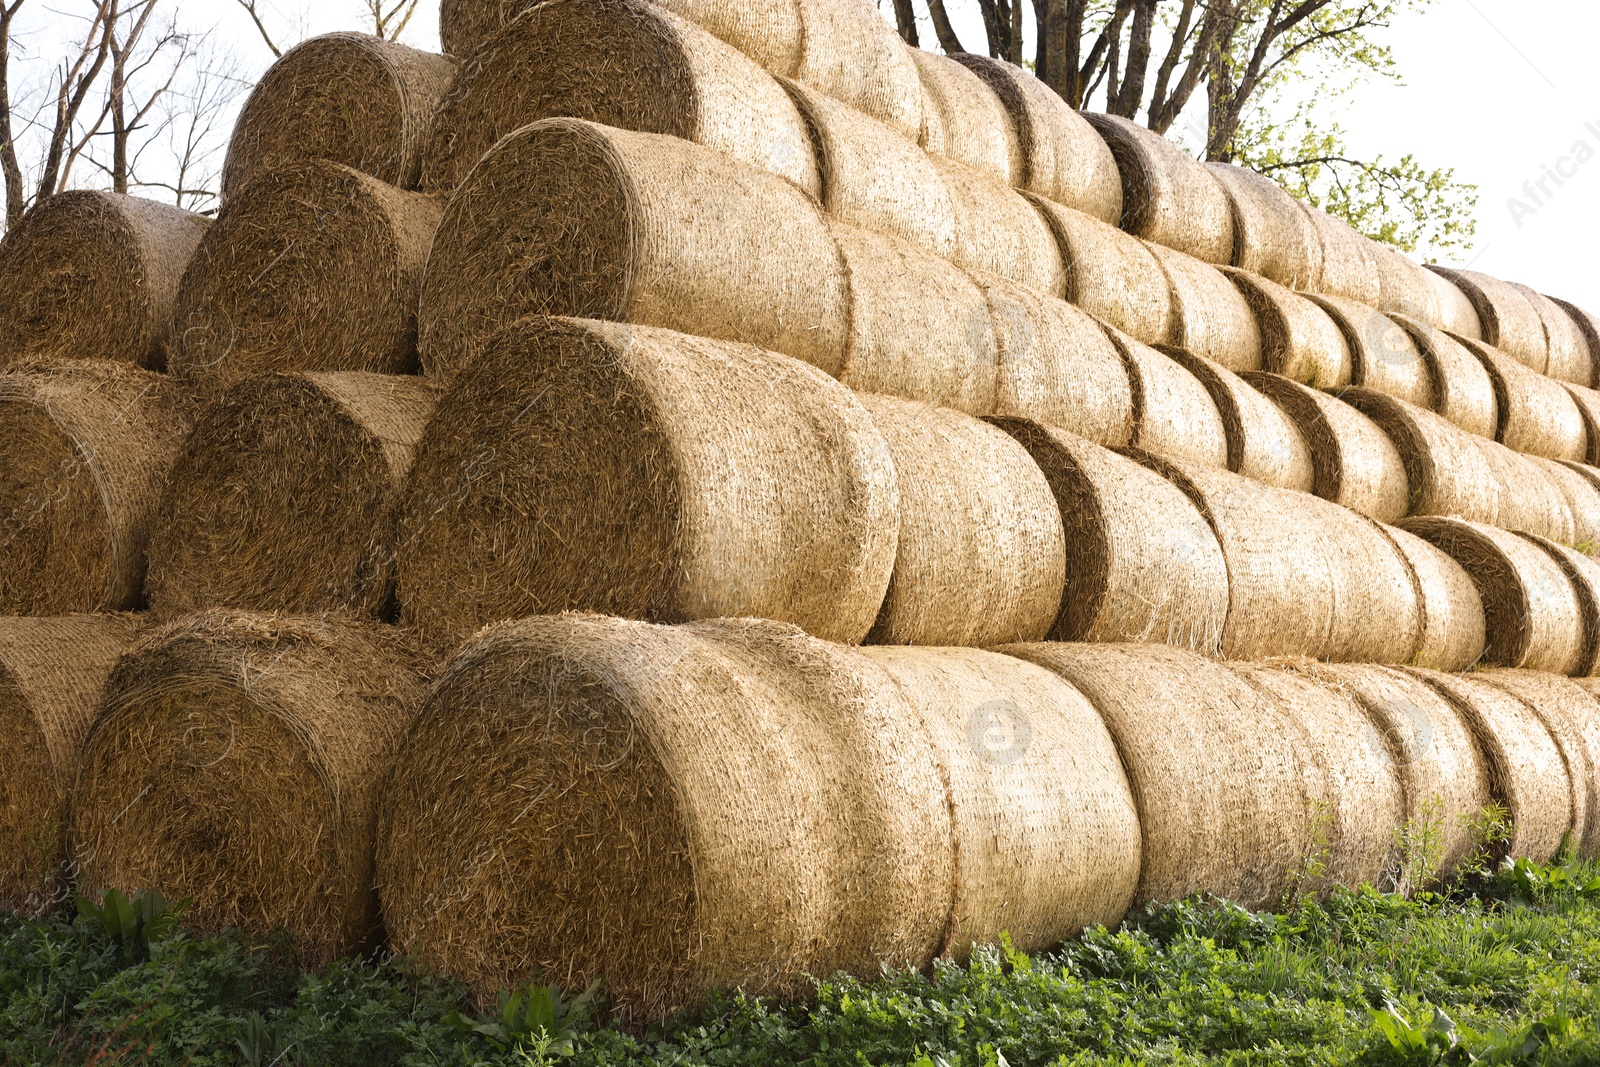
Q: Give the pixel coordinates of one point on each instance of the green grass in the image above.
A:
(1502, 972)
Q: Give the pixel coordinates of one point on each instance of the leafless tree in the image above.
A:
(389, 21)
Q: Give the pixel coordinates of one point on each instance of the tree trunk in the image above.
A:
(905, 20)
(942, 29)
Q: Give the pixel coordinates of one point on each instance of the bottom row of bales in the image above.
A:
(733, 802)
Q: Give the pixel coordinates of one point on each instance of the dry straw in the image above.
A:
(964, 120)
(1353, 461)
(237, 761)
(1168, 196)
(1144, 564)
(1447, 469)
(982, 554)
(1347, 267)
(1573, 719)
(1568, 349)
(1506, 319)
(1221, 787)
(1383, 355)
(346, 97)
(1588, 401)
(1526, 771)
(465, 24)
(632, 227)
(623, 63)
(1456, 313)
(1453, 628)
(1110, 274)
(1062, 157)
(1263, 443)
(90, 275)
(312, 266)
(1000, 231)
(1589, 327)
(1531, 610)
(284, 496)
(1210, 316)
(596, 466)
(1462, 390)
(1584, 573)
(1404, 286)
(1582, 495)
(1529, 500)
(1272, 236)
(51, 674)
(1298, 338)
(87, 446)
(1173, 414)
(1537, 415)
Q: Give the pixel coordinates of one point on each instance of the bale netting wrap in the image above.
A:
(1447, 470)
(706, 807)
(1112, 275)
(1223, 794)
(1456, 313)
(1589, 327)
(851, 53)
(1443, 775)
(314, 266)
(1462, 389)
(1000, 231)
(1588, 401)
(624, 63)
(1453, 634)
(237, 761)
(350, 98)
(1353, 461)
(93, 275)
(1360, 805)
(1263, 443)
(51, 674)
(596, 466)
(981, 558)
(1144, 564)
(1168, 196)
(1526, 771)
(1383, 356)
(1506, 319)
(1405, 287)
(1062, 157)
(1531, 613)
(1529, 501)
(1567, 348)
(1584, 573)
(1272, 236)
(1582, 495)
(284, 496)
(1047, 837)
(1299, 340)
(1057, 364)
(919, 325)
(1347, 268)
(1537, 415)
(87, 447)
(632, 227)
(1173, 414)
(963, 119)
(1211, 318)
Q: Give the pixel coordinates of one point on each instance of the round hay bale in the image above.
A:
(1582, 494)
(1214, 764)
(345, 97)
(1047, 838)
(1445, 779)
(1462, 390)
(1353, 461)
(1589, 328)
(1404, 286)
(1062, 157)
(1168, 196)
(1262, 443)
(1347, 267)
(1584, 573)
(91, 275)
(615, 223)
(87, 447)
(1529, 500)
(1537, 415)
(1272, 236)
(1588, 401)
(1210, 316)
(1568, 357)
(596, 466)
(624, 63)
(238, 761)
(283, 497)
(1531, 612)
(849, 51)
(1456, 313)
(1527, 773)
(982, 553)
(919, 325)
(1000, 231)
(1057, 365)
(750, 807)
(1453, 634)
(465, 24)
(51, 674)
(964, 120)
(1357, 797)
(1508, 322)
(1299, 340)
(1112, 275)
(1145, 565)
(1173, 414)
(1383, 356)
(313, 266)
(1447, 471)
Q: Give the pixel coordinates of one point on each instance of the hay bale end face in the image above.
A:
(597, 466)
(1272, 236)
(313, 266)
(51, 674)
(345, 97)
(92, 275)
(237, 760)
(284, 496)
(964, 120)
(1298, 338)
(1262, 442)
(87, 447)
(1168, 196)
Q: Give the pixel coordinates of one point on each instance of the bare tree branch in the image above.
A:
(255, 17)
